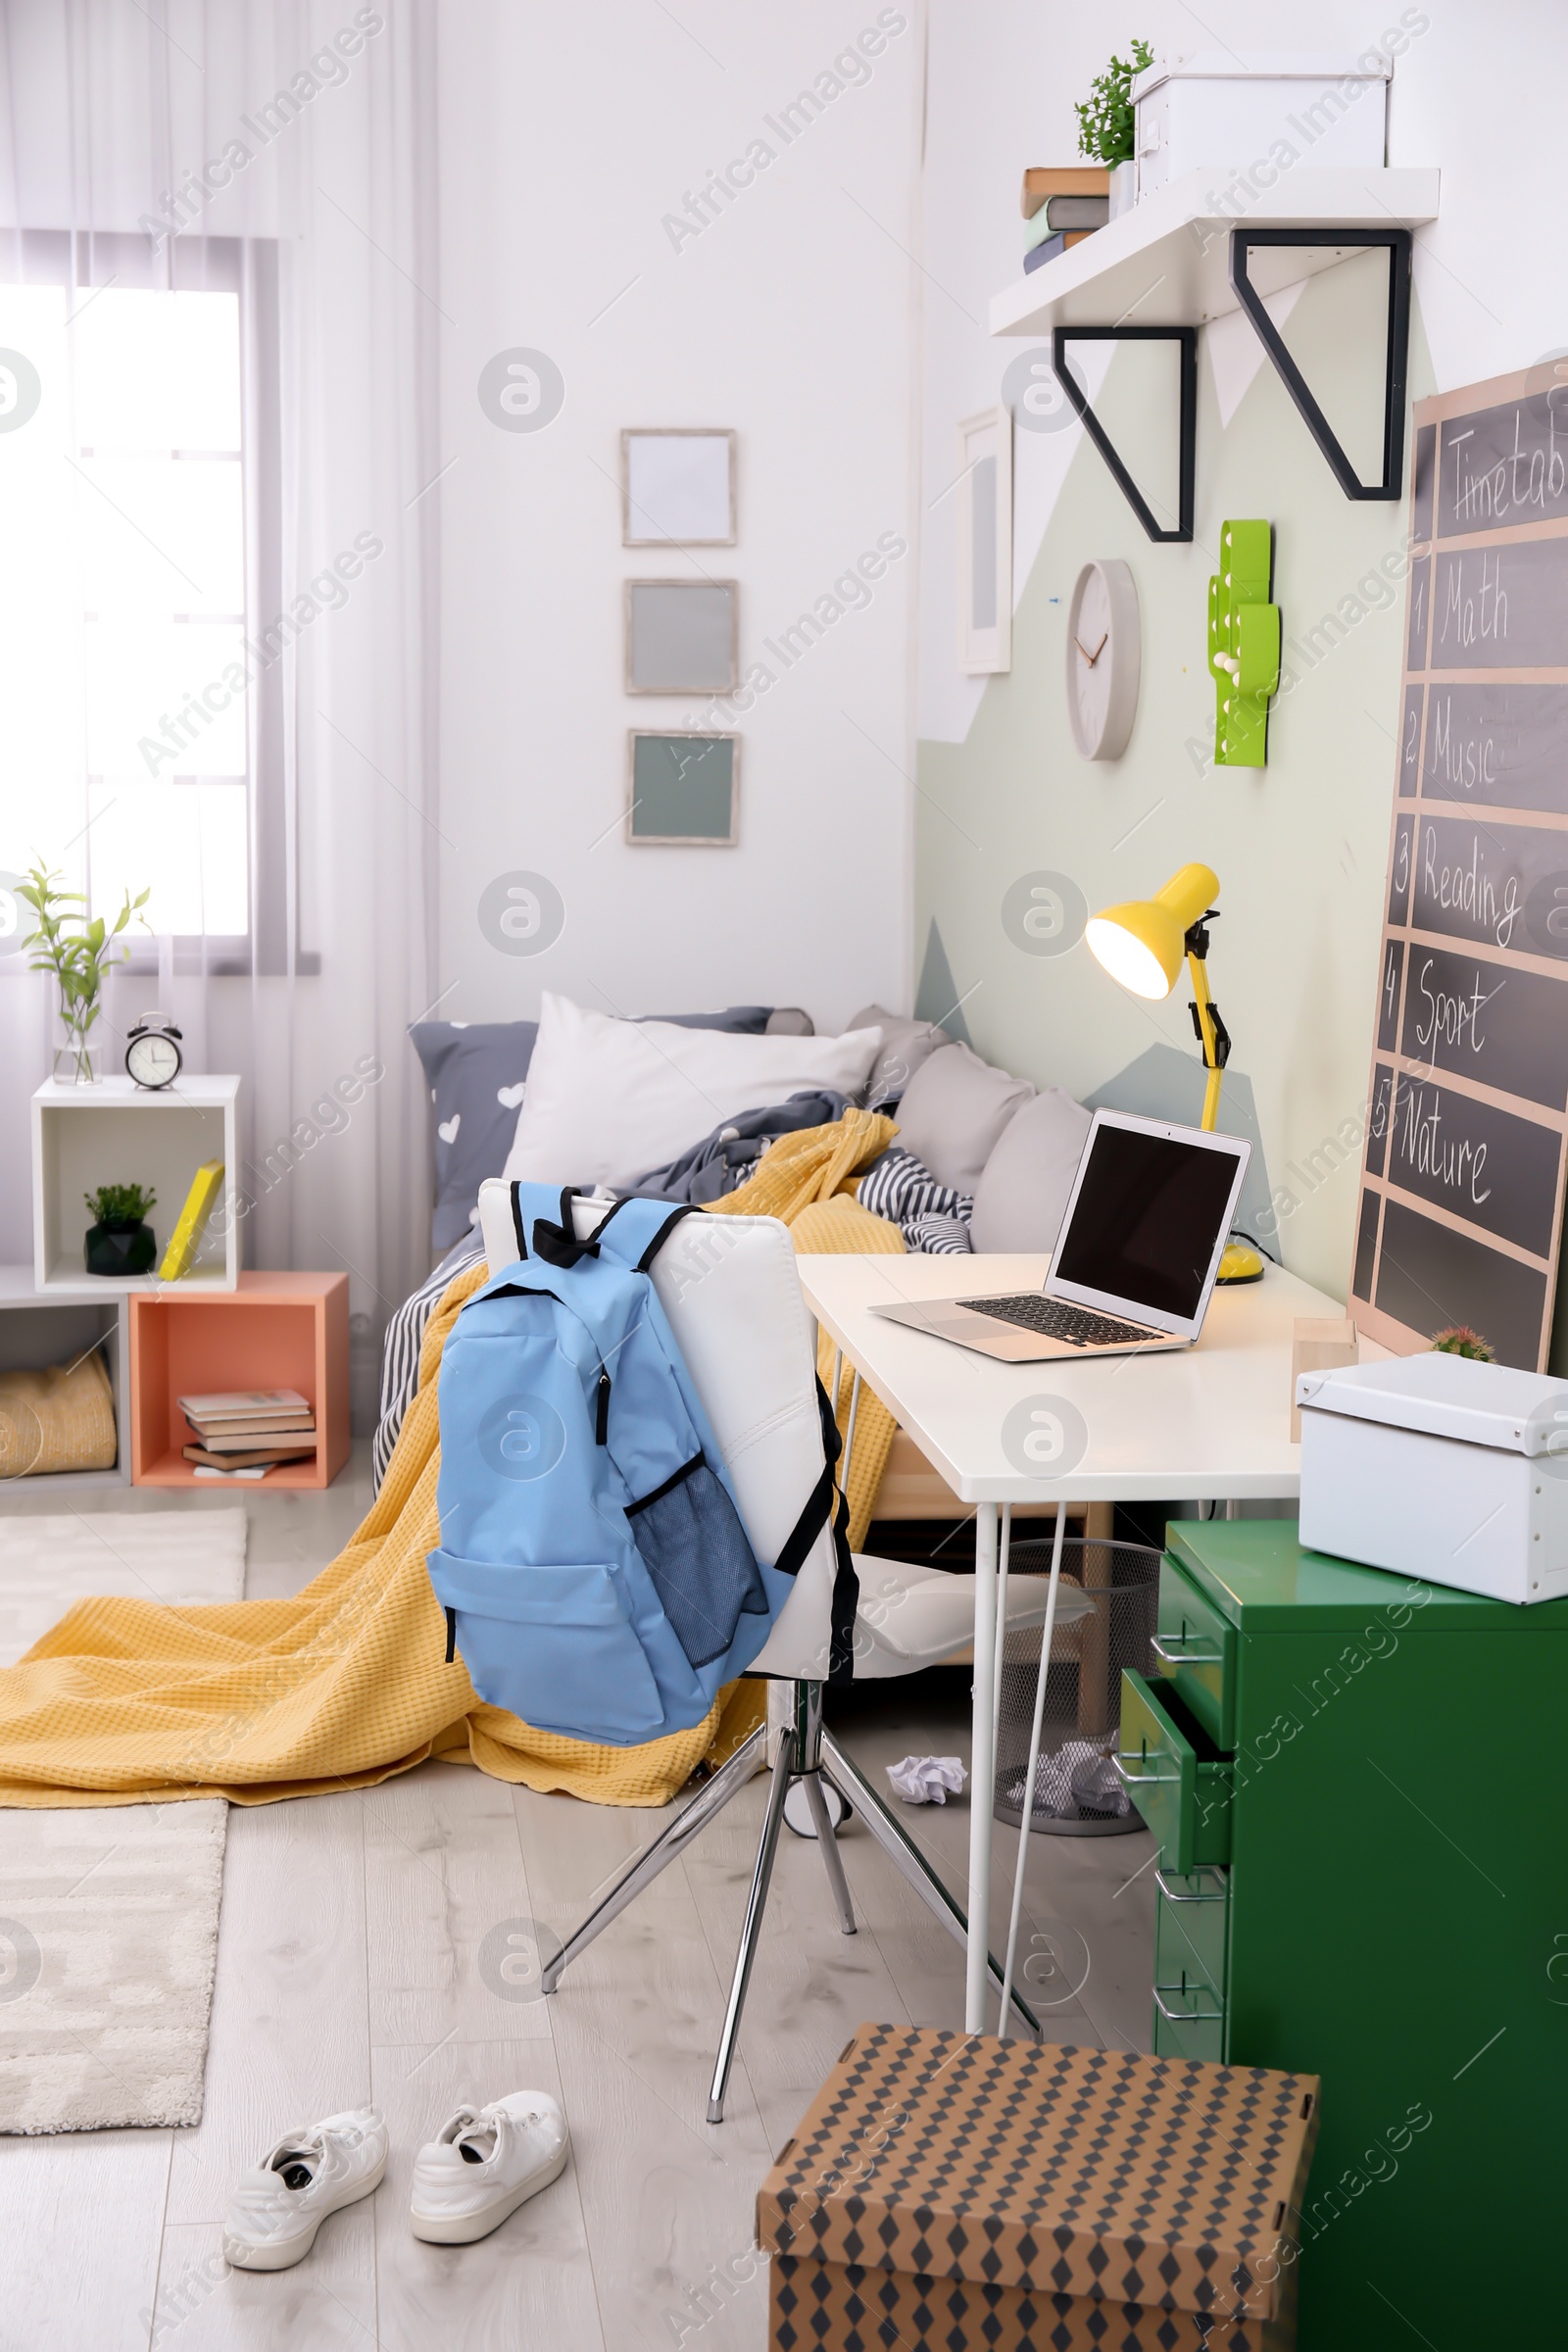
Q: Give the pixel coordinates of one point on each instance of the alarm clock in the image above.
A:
(152, 1052)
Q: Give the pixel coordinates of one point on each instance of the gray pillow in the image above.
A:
(954, 1111)
(905, 1045)
(1022, 1194)
(474, 1070)
(788, 1020)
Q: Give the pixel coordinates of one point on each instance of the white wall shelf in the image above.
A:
(1167, 262)
(42, 1328)
(116, 1132)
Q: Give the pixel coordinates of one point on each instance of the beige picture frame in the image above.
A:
(681, 636)
(682, 810)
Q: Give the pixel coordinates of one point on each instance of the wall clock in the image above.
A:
(1104, 659)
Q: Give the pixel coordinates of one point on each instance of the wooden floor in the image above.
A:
(353, 1965)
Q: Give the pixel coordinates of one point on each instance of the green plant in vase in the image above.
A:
(120, 1240)
(80, 958)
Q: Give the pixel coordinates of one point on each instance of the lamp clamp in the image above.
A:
(1222, 1035)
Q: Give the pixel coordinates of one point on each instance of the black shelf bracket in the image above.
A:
(1397, 243)
(1187, 337)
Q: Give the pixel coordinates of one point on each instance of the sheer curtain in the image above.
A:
(268, 770)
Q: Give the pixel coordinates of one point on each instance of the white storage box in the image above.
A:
(1214, 112)
(1441, 1468)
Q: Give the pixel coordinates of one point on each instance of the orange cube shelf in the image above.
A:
(276, 1330)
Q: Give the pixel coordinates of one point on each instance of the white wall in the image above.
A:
(1301, 846)
(568, 134)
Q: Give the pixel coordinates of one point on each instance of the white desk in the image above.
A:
(1204, 1423)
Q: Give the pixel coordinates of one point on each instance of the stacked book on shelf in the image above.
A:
(1062, 206)
(243, 1433)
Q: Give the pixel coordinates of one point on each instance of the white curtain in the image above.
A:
(286, 153)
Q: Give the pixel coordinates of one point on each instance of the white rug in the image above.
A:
(107, 1916)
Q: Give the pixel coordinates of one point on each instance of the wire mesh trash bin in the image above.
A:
(1077, 1792)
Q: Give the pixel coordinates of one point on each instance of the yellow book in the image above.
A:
(206, 1185)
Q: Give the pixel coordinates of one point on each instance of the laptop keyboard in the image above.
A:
(1053, 1319)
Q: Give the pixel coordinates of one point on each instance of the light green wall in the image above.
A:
(1300, 845)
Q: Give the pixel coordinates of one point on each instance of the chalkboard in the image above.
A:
(1489, 1166)
(1504, 465)
(1500, 607)
(1498, 884)
(1462, 1179)
(1496, 1024)
(1494, 745)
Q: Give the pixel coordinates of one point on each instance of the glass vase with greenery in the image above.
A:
(1106, 115)
(81, 954)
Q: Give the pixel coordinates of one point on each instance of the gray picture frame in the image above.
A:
(651, 612)
(664, 815)
(636, 517)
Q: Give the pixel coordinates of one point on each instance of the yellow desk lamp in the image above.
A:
(1142, 945)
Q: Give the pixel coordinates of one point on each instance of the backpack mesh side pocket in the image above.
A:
(703, 1567)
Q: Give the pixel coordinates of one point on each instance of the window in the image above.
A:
(134, 725)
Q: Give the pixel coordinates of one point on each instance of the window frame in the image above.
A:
(89, 260)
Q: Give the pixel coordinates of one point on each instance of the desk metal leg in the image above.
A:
(982, 1766)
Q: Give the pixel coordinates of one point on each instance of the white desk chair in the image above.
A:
(729, 1288)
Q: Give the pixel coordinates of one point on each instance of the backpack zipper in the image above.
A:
(601, 1409)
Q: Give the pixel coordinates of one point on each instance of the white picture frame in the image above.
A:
(677, 486)
(984, 492)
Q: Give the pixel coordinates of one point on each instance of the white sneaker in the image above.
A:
(483, 2163)
(280, 2203)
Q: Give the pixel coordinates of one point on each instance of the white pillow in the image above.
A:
(1025, 1185)
(608, 1099)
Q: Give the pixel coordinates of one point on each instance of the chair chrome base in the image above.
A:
(806, 1753)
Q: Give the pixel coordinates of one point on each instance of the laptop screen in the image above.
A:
(1144, 1222)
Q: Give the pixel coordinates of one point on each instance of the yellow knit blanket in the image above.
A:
(127, 1701)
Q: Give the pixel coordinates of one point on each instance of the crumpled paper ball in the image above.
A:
(926, 1780)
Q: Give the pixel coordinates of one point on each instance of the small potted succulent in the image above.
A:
(1460, 1340)
(120, 1240)
(1105, 123)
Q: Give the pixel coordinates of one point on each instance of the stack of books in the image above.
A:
(242, 1432)
(1062, 206)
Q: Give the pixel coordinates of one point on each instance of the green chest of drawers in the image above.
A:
(1358, 1786)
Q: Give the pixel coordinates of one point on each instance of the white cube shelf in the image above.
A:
(38, 1329)
(116, 1132)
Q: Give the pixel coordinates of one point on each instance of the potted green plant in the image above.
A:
(120, 1240)
(80, 954)
(1105, 123)
(1460, 1340)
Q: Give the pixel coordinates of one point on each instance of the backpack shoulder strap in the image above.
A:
(825, 1506)
(635, 1231)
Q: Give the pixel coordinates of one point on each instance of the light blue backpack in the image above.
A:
(592, 1566)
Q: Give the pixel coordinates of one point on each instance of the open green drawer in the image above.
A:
(1182, 1791)
(1196, 1651)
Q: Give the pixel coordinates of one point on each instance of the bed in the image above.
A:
(982, 1159)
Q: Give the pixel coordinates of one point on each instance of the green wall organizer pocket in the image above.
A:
(1243, 643)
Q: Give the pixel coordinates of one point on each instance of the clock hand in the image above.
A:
(1093, 657)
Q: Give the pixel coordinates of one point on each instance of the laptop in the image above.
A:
(1134, 1261)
